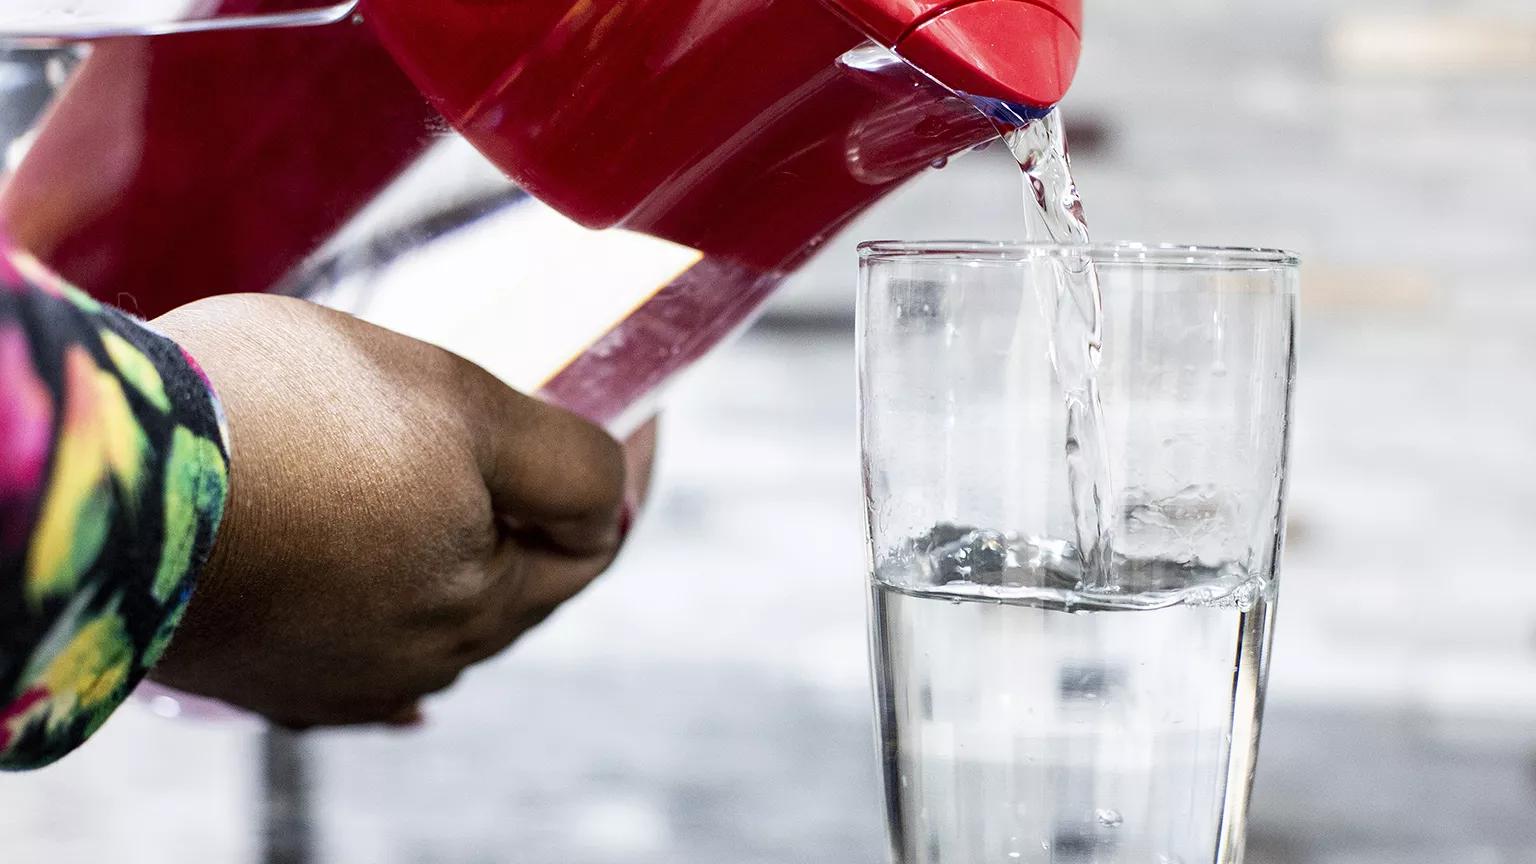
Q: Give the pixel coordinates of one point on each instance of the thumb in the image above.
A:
(548, 471)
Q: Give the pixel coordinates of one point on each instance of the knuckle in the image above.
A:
(596, 478)
(452, 601)
(490, 402)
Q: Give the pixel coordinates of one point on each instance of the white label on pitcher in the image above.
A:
(521, 292)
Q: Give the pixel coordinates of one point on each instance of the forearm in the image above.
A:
(113, 474)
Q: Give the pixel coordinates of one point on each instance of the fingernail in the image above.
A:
(626, 519)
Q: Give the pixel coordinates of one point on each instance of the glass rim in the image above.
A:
(49, 28)
(1119, 252)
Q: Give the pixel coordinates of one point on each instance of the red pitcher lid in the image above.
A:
(1022, 51)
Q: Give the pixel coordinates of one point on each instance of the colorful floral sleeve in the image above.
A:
(113, 473)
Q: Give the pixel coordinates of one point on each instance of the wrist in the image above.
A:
(198, 342)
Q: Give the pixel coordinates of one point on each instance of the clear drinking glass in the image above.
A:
(1026, 713)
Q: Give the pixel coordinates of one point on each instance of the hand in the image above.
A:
(396, 514)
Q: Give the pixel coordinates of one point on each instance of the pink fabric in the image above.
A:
(26, 432)
(21, 706)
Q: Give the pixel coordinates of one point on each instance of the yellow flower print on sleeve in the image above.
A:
(136, 369)
(124, 439)
(89, 677)
(98, 437)
(92, 668)
(111, 465)
(195, 484)
(81, 669)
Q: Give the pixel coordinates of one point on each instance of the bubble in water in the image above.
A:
(942, 533)
(1109, 818)
(979, 555)
(1233, 587)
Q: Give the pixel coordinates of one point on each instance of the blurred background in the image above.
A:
(707, 701)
